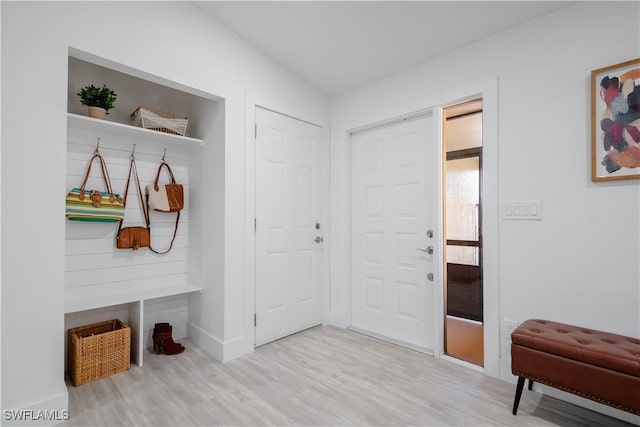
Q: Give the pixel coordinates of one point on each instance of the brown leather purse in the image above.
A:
(134, 237)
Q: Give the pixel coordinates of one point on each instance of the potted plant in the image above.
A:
(99, 100)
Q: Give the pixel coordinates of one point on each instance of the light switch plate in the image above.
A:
(522, 210)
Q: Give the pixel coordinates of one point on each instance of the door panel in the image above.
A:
(287, 208)
(393, 191)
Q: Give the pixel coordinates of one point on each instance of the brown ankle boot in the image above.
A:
(163, 340)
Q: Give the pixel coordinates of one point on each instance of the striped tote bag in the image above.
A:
(94, 205)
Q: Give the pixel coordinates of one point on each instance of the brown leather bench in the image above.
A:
(596, 365)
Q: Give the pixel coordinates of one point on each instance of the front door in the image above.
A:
(394, 192)
(288, 229)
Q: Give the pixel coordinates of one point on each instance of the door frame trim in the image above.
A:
(287, 115)
(381, 114)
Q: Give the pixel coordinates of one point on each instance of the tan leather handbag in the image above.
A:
(165, 197)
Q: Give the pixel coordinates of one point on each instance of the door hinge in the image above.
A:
(255, 320)
(255, 225)
(255, 130)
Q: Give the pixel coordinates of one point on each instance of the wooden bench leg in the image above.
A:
(519, 388)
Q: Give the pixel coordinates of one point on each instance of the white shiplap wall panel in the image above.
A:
(91, 256)
(82, 247)
(81, 263)
(126, 272)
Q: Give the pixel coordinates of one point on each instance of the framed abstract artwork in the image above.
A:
(615, 122)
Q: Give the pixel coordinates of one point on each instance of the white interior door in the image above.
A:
(288, 258)
(394, 194)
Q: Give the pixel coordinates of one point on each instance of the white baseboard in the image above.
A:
(237, 347)
(337, 319)
(222, 351)
(49, 412)
(206, 341)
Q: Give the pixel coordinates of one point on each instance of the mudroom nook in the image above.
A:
(138, 287)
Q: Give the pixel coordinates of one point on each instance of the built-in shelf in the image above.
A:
(136, 295)
(92, 297)
(98, 127)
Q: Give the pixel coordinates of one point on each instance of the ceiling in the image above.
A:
(338, 46)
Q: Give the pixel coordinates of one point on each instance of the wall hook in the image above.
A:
(164, 153)
(132, 157)
(97, 151)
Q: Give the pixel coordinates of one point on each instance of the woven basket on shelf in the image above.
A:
(98, 350)
(161, 121)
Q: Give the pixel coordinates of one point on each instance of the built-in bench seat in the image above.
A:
(134, 293)
(596, 365)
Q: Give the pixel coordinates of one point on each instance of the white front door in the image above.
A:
(394, 190)
(288, 258)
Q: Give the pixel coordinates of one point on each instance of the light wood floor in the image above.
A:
(323, 376)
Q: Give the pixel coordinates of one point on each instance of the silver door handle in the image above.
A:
(428, 250)
(318, 239)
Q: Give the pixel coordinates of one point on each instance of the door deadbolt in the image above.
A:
(430, 277)
(430, 234)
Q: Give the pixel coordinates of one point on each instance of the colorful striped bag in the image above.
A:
(95, 205)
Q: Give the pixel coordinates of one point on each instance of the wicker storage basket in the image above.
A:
(98, 350)
(160, 121)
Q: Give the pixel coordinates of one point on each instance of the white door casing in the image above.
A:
(394, 191)
(288, 258)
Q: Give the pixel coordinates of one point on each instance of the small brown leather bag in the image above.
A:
(134, 237)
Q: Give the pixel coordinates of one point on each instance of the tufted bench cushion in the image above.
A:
(597, 365)
(603, 349)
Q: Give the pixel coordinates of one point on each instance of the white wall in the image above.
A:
(580, 263)
(175, 41)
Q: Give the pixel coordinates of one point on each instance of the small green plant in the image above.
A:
(92, 96)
